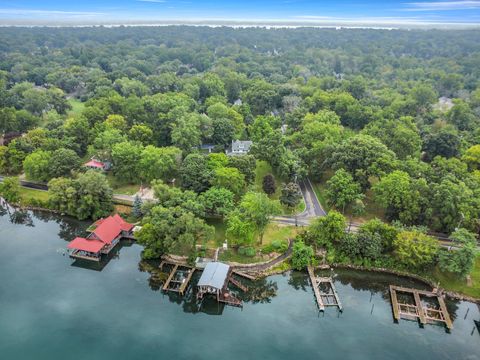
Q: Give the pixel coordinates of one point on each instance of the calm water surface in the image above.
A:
(52, 308)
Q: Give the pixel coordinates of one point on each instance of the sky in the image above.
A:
(305, 12)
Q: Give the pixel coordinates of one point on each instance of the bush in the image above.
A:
(279, 246)
(247, 251)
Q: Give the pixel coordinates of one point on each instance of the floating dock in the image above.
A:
(324, 298)
(418, 311)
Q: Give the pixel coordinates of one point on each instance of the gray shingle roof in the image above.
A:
(214, 275)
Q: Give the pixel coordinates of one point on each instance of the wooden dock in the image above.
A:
(316, 290)
(238, 284)
(176, 280)
(417, 311)
(185, 282)
(242, 274)
(170, 277)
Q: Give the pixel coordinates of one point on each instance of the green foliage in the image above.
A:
(137, 207)
(195, 174)
(88, 196)
(342, 190)
(126, 161)
(63, 162)
(10, 190)
(460, 259)
(159, 163)
(37, 166)
(268, 184)
(217, 201)
(172, 230)
(302, 255)
(362, 156)
(231, 179)
(291, 195)
(386, 232)
(415, 249)
(328, 229)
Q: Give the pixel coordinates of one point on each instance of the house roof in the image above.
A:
(239, 145)
(95, 163)
(83, 244)
(214, 275)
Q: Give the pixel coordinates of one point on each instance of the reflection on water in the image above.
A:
(260, 291)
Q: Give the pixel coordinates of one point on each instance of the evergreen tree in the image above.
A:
(137, 207)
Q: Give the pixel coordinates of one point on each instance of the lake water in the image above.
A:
(52, 308)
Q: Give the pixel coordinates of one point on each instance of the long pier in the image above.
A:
(417, 311)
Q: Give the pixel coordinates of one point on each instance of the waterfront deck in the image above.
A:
(76, 255)
(417, 311)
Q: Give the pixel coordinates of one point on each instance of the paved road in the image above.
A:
(313, 208)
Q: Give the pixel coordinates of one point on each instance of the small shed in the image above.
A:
(213, 279)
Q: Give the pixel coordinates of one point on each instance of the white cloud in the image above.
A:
(45, 13)
(443, 5)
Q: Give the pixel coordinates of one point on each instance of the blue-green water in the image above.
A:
(50, 309)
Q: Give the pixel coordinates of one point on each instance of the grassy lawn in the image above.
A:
(120, 187)
(276, 231)
(29, 194)
(77, 107)
(452, 283)
(220, 228)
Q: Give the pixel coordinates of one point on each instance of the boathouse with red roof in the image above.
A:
(104, 235)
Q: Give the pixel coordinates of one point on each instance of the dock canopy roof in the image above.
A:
(214, 275)
(93, 246)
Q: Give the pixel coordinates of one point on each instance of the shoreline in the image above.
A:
(265, 273)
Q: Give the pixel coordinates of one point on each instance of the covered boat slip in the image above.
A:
(103, 236)
(420, 310)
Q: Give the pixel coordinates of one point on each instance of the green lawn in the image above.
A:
(28, 194)
(220, 228)
(77, 107)
(449, 282)
(120, 187)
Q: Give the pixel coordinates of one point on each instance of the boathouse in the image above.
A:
(105, 234)
(214, 280)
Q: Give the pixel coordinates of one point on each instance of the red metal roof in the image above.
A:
(95, 164)
(124, 225)
(110, 228)
(83, 244)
